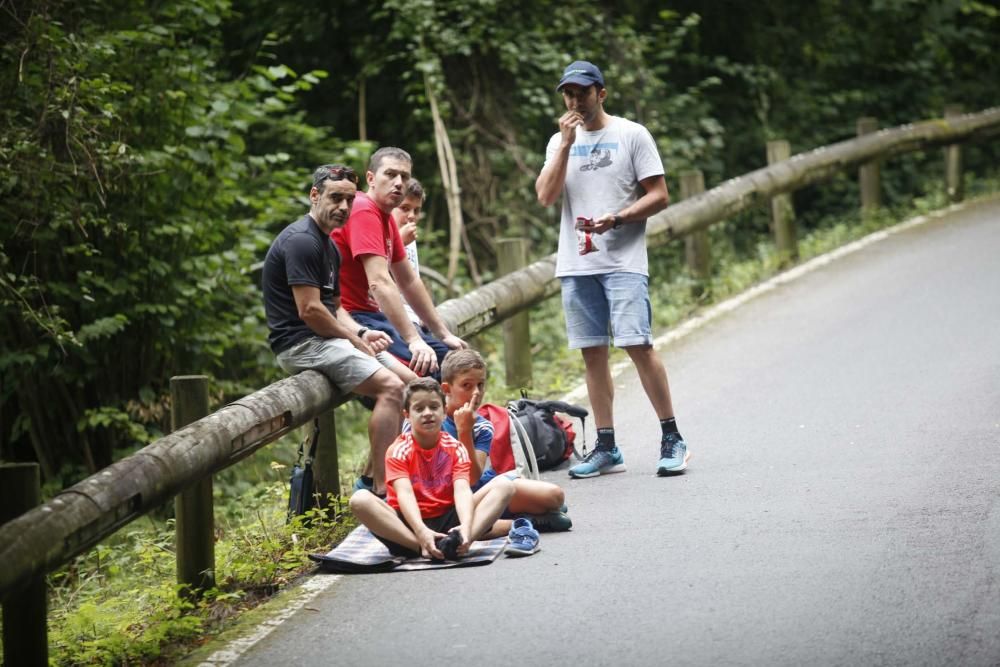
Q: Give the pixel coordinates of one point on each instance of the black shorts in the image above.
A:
(439, 524)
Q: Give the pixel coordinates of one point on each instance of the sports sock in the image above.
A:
(669, 425)
(606, 438)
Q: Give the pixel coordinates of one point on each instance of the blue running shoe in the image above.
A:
(523, 539)
(549, 522)
(674, 455)
(599, 462)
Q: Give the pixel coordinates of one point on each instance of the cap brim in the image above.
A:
(584, 81)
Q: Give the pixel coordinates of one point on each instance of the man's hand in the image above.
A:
(568, 124)
(409, 233)
(423, 359)
(454, 342)
(428, 548)
(378, 341)
(361, 345)
(598, 225)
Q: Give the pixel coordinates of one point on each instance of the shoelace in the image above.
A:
(668, 444)
(589, 458)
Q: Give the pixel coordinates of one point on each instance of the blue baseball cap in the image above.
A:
(582, 73)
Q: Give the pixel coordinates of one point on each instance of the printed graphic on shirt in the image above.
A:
(598, 155)
(433, 475)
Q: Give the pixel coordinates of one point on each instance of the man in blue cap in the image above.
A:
(610, 176)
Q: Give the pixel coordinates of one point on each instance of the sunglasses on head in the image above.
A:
(337, 173)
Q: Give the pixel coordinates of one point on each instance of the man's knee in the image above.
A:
(389, 386)
(644, 355)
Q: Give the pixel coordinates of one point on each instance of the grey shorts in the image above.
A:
(343, 364)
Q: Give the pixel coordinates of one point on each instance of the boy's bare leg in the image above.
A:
(535, 497)
(488, 504)
(382, 520)
(385, 421)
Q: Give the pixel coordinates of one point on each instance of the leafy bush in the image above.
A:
(119, 603)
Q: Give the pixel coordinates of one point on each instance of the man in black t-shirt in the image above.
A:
(308, 327)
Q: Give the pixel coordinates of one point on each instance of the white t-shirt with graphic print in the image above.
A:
(602, 176)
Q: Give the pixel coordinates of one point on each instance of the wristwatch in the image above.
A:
(618, 222)
(362, 331)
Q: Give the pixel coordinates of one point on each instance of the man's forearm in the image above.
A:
(324, 324)
(420, 301)
(549, 184)
(391, 304)
(655, 199)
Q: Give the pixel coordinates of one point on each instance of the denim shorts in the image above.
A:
(343, 364)
(603, 305)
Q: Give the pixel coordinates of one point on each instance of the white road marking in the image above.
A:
(308, 591)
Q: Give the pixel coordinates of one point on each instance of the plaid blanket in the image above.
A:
(361, 552)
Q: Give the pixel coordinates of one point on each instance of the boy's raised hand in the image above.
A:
(465, 416)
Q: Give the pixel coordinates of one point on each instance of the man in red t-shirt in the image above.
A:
(375, 274)
(430, 510)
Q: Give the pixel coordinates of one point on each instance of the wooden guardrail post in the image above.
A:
(696, 245)
(782, 210)
(194, 509)
(953, 161)
(869, 176)
(512, 254)
(326, 467)
(25, 637)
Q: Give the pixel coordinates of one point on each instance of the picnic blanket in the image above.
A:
(361, 552)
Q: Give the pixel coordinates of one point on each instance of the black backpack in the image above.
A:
(552, 437)
(301, 490)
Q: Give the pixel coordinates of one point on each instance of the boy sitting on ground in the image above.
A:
(463, 374)
(430, 510)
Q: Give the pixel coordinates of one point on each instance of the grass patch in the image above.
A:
(119, 604)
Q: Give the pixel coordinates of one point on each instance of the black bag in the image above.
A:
(552, 437)
(301, 492)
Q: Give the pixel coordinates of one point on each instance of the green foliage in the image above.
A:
(119, 603)
(140, 183)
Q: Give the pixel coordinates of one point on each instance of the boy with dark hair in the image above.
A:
(464, 382)
(407, 215)
(430, 510)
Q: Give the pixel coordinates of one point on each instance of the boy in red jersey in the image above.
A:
(430, 509)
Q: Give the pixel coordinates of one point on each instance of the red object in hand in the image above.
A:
(584, 239)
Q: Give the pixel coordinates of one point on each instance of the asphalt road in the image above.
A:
(842, 505)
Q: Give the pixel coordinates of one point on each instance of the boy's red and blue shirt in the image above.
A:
(432, 472)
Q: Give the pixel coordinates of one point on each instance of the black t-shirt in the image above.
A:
(300, 255)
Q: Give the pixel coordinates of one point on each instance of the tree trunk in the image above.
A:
(449, 179)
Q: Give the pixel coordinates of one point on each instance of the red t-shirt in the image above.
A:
(368, 231)
(432, 472)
